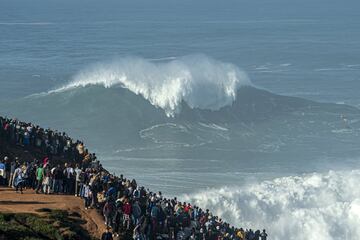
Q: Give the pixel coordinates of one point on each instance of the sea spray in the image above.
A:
(200, 81)
(312, 206)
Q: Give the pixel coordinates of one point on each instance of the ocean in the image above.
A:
(248, 108)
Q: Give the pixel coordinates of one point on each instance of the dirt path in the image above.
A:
(29, 202)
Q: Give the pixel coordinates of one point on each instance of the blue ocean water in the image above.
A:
(172, 93)
(301, 48)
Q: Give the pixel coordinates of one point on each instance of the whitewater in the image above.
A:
(312, 206)
(200, 81)
(318, 205)
(228, 104)
(208, 109)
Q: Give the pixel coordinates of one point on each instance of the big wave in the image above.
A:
(200, 81)
(313, 206)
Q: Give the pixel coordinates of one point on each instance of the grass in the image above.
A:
(48, 225)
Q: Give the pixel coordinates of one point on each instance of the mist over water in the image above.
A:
(318, 206)
(201, 126)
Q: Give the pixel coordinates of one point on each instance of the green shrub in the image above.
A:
(54, 225)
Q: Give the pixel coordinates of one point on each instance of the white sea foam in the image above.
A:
(313, 206)
(214, 126)
(200, 81)
(285, 65)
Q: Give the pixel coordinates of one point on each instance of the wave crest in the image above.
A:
(200, 81)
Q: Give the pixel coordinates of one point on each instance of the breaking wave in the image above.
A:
(198, 80)
(313, 206)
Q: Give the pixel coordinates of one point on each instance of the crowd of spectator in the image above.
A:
(126, 206)
(51, 143)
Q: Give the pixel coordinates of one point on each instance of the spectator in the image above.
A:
(263, 235)
(107, 235)
(12, 170)
(2, 173)
(125, 205)
(19, 179)
(39, 177)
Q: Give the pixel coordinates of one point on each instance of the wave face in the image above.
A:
(313, 207)
(198, 80)
(254, 135)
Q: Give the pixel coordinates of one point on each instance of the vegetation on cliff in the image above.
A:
(48, 225)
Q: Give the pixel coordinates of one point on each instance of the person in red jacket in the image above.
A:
(127, 212)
